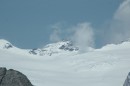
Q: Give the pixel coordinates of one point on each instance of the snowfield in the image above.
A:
(107, 66)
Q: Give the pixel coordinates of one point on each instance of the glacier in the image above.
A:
(107, 66)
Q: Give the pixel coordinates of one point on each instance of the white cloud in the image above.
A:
(123, 12)
(120, 26)
(55, 36)
(83, 36)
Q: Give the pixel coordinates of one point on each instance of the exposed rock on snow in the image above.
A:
(55, 48)
(35, 51)
(5, 44)
(13, 78)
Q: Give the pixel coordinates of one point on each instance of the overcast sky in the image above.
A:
(34, 23)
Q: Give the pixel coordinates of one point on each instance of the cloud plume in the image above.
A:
(83, 36)
(120, 25)
(55, 35)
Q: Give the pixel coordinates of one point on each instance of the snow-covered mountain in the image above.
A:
(7, 46)
(50, 49)
(107, 66)
(55, 48)
(4, 44)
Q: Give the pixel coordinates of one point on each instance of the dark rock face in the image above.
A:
(13, 78)
(127, 81)
(69, 47)
(33, 51)
(2, 73)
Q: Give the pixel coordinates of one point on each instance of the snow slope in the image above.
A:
(107, 66)
(8, 47)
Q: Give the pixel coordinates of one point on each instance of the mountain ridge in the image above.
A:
(49, 49)
(56, 48)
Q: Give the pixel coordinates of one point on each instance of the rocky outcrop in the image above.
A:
(13, 78)
(127, 81)
(2, 73)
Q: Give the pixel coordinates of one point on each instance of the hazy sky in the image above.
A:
(34, 23)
